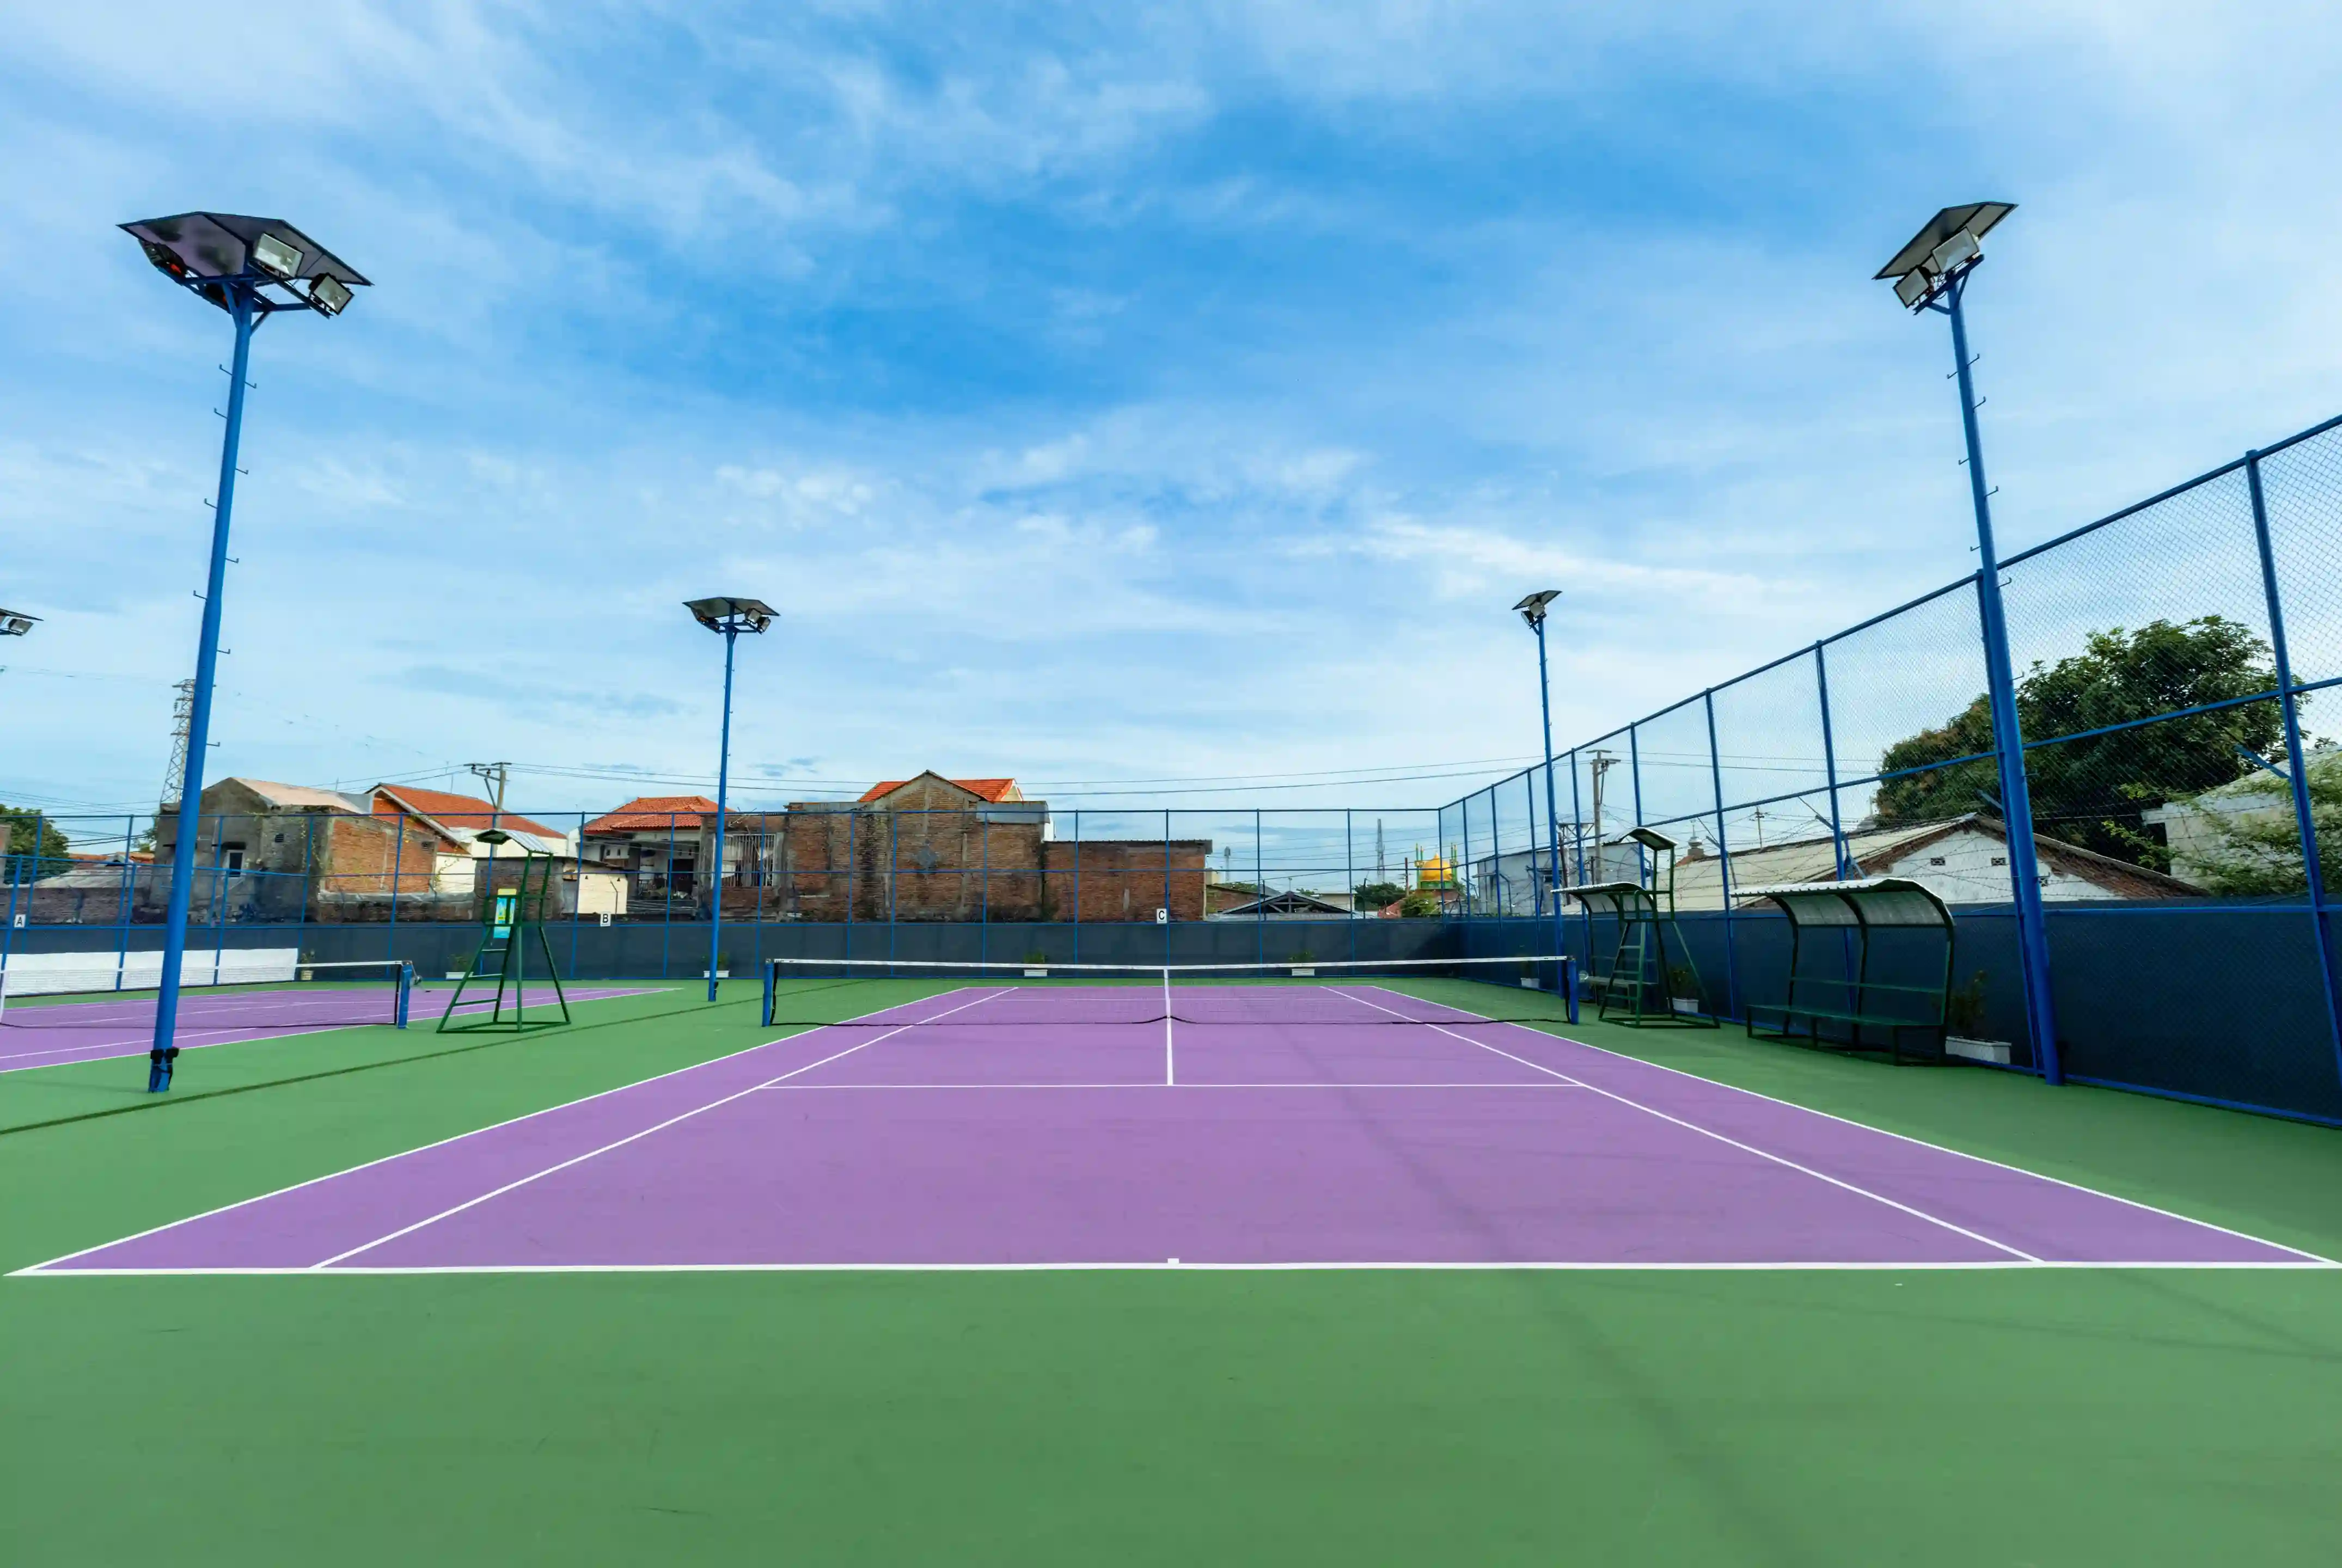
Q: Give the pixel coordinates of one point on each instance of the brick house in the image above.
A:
(279, 851)
(462, 818)
(657, 842)
(933, 848)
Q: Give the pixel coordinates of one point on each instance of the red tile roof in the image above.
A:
(455, 810)
(994, 790)
(652, 812)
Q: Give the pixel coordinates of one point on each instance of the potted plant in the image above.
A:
(1963, 1025)
(1301, 960)
(1036, 965)
(1683, 988)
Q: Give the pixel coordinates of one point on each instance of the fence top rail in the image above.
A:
(1955, 585)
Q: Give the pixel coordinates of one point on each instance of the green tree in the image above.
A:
(2093, 791)
(1378, 895)
(31, 833)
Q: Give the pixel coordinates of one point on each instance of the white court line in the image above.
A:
(1472, 1017)
(1533, 1267)
(455, 1138)
(646, 1131)
(1191, 1084)
(1708, 1132)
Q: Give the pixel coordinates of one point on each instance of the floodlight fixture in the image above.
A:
(276, 257)
(731, 616)
(250, 267)
(1945, 249)
(1650, 838)
(749, 614)
(493, 836)
(265, 261)
(16, 625)
(1532, 609)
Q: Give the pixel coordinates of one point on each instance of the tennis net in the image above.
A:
(856, 992)
(107, 994)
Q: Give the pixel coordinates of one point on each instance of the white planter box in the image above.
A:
(1996, 1052)
(1684, 1004)
(1305, 971)
(1037, 975)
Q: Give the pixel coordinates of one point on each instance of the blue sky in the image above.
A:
(1138, 395)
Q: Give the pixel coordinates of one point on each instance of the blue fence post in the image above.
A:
(1166, 887)
(1259, 897)
(8, 859)
(219, 892)
(122, 904)
(2008, 737)
(578, 864)
(1349, 880)
(1830, 759)
(1723, 862)
(1635, 779)
(398, 865)
(666, 899)
(2312, 859)
(1078, 884)
(851, 891)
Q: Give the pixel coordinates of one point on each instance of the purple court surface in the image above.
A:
(56, 1033)
(1350, 1126)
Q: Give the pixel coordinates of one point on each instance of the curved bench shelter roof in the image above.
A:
(1870, 903)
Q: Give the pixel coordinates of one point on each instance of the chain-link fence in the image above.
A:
(924, 872)
(2172, 665)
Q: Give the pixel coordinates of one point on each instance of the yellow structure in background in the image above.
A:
(1435, 873)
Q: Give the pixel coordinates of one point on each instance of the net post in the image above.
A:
(771, 970)
(405, 982)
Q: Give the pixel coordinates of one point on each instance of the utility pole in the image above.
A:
(1381, 875)
(495, 775)
(1599, 764)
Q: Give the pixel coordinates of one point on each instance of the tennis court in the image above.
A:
(1322, 1122)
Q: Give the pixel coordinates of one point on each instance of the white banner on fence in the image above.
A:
(47, 973)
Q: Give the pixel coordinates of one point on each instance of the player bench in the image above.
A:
(1852, 1009)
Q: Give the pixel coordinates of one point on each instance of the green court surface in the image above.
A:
(1789, 1417)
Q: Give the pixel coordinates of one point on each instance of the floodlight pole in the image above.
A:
(163, 1051)
(723, 787)
(2008, 740)
(1552, 817)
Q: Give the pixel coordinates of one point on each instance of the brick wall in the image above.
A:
(832, 864)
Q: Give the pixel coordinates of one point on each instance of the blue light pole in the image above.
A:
(251, 268)
(1533, 610)
(731, 618)
(1931, 273)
